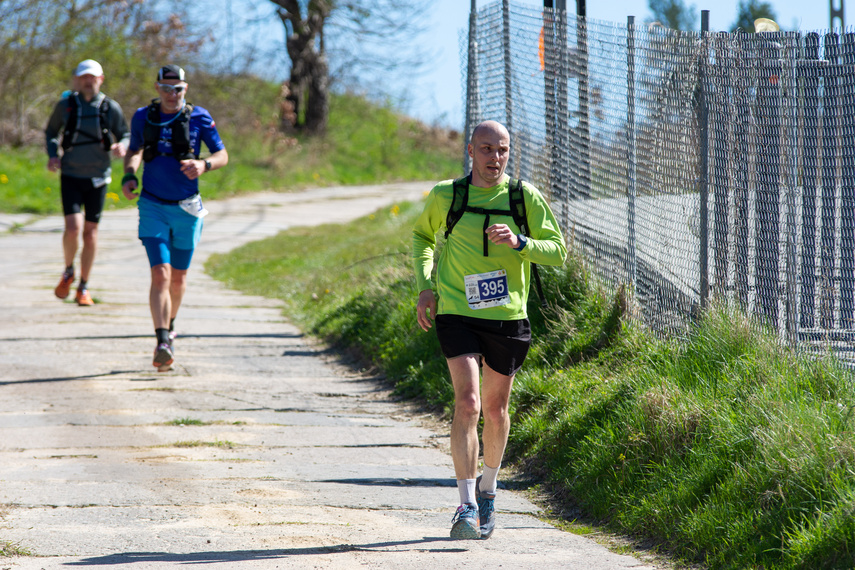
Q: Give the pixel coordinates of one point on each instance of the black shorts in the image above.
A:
(502, 344)
(81, 191)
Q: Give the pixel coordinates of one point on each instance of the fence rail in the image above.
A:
(690, 165)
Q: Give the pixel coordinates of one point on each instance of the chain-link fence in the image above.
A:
(691, 166)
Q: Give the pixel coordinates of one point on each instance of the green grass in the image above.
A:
(186, 422)
(366, 143)
(724, 449)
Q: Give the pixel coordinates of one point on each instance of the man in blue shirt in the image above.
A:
(167, 135)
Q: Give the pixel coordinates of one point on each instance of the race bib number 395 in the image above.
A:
(485, 290)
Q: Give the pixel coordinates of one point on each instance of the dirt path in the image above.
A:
(286, 457)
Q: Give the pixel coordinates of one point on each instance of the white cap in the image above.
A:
(89, 67)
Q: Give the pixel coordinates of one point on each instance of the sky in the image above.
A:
(436, 95)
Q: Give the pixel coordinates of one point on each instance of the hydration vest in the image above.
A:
(180, 126)
(516, 199)
(73, 118)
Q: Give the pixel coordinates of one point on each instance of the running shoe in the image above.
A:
(83, 298)
(172, 335)
(162, 357)
(64, 286)
(465, 524)
(486, 510)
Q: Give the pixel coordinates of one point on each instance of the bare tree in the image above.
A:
(309, 86)
(365, 38)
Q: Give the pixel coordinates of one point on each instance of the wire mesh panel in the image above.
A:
(691, 166)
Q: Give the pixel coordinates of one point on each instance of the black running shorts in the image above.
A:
(502, 344)
(81, 191)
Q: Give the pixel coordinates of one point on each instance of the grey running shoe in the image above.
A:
(486, 510)
(162, 357)
(465, 523)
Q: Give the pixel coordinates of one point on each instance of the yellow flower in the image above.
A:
(371, 216)
(113, 196)
(316, 176)
(4, 179)
(47, 189)
(395, 209)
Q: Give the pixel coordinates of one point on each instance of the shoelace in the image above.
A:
(486, 508)
(463, 511)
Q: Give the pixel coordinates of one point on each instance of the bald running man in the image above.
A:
(479, 309)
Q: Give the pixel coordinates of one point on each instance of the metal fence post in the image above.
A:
(509, 95)
(768, 203)
(721, 152)
(549, 74)
(584, 127)
(561, 148)
(789, 125)
(810, 104)
(632, 150)
(847, 188)
(471, 84)
(828, 239)
(703, 125)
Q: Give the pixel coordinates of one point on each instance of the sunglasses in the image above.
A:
(169, 89)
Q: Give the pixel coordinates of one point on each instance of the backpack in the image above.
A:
(516, 199)
(73, 118)
(180, 125)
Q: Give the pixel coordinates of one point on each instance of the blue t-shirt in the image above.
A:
(162, 177)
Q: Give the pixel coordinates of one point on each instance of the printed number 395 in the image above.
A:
(492, 287)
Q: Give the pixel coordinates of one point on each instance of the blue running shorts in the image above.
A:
(168, 233)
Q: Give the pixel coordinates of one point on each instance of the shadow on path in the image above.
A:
(247, 555)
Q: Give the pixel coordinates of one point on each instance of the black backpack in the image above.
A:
(180, 133)
(71, 125)
(516, 199)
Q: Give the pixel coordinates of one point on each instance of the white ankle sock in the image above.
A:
(466, 488)
(489, 480)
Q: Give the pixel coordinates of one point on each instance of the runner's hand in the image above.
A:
(192, 169)
(426, 309)
(502, 234)
(128, 189)
(53, 164)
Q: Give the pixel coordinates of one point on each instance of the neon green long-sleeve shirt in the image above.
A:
(463, 253)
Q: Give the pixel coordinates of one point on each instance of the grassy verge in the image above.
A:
(366, 143)
(723, 449)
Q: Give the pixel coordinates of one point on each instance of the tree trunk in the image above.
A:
(309, 83)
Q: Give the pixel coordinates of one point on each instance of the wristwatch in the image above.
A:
(523, 242)
(207, 165)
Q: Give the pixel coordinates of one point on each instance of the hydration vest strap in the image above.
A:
(180, 127)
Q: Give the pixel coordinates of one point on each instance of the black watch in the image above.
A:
(207, 165)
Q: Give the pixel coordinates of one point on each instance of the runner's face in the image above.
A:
(489, 150)
(171, 102)
(88, 85)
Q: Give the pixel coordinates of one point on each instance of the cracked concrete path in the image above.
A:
(260, 450)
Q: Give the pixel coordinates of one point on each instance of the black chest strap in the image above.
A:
(516, 201)
(179, 126)
(73, 111)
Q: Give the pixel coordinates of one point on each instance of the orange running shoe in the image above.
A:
(163, 357)
(64, 286)
(83, 298)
